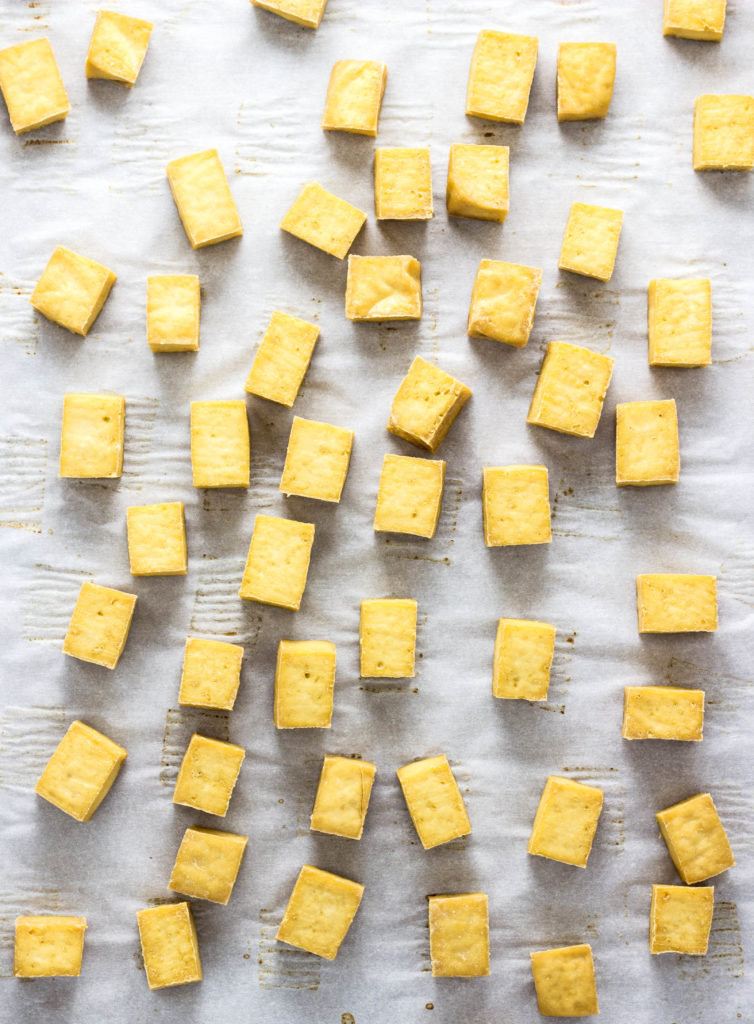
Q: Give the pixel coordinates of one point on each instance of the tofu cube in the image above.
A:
(478, 182)
(409, 496)
(207, 864)
(566, 821)
(81, 771)
(220, 449)
(282, 359)
(157, 540)
(208, 774)
(724, 133)
(570, 389)
(564, 981)
(319, 912)
(676, 603)
(304, 684)
(502, 69)
(503, 302)
(118, 47)
(590, 242)
(402, 184)
(384, 288)
(316, 462)
(459, 935)
(426, 405)
(662, 713)
(680, 919)
(169, 945)
(434, 801)
(91, 439)
(695, 838)
(48, 946)
(354, 96)
(301, 12)
(31, 85)
(99, 626)
(323, 220)
(72, 290)
(523, 656)
(387, 638)
(211, 674)
(646, 444)
(679, 321)
(173, 303)
(694, 19)
(278, 562)
(203, 198)
(586, 75)
(516, 505)
(342, 799)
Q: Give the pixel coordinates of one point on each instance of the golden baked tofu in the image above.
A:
(340, 806)
(564, 981)
(173, 304)
(586, 75)
(323, 220)
(503, 302)
(316, 462)
(72, 290)
(383, 288)
(426, 405)
(516, 505)
(679, 322)
(319, 912)
(208, 775)
(304, 684)
(724, 133)
(91, 439)
(459, 935)
(211, 673)
(566, 821)
(220, 447)
(354, 96)
(502, 69)
(662, 713)
(31, 85)
(696, 839)
(478, 182)
(387, 638)
(118, 47)
(282, 359)
(434, 801)
(694, 19)
(676, 603)
(409, 496)
(48, 946)
(307, 13)
(680, 918)
(157, 540)
(570, 389)
(590, 242)
(203, 198)
(402, 184)
(278, 562)
(169, 945)
(646, 443)
(81, 771)
(99, 626)
(207, 864)
(523, 657)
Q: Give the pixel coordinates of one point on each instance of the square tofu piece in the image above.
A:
(516, 505)
(319, 912)
(278, 562)
(402, 184)
(354, 96)
(304, 684)
(80, 773)
(173, 303)
(724, 133)
(676, 603)
(564, 981)
(91, 440)
(679, 321)
(523, 656)
(502, 69)
(157, 540)
(118, 47)
(220, 444)
(694, 19)
(387, 638)
(680, 919)
(426, 404)
(503, 302)
(168, 945)
(211, 674)
(202, 194)
(282, 359)
(590, 242)
(342, 799)
(99, 626)
(570, 389)
(409, 496)
(207, 864)
(586, 74)
(434, 801)
(646, 443)
(317, 459)
(301, 12)
(478, 182)
(384, 288)
(323, 220)
(662, 713)
(72, 290)
(31, 85)
(48, 946)
(695, 838)
(459, 935)
(208, 774)
(566, 821)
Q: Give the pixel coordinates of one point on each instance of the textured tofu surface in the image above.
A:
(383, 288)
(317, 459)
(92, 436)
(570, 389)
(81, 771)
(203, 197)
(72, 290)
(31, 85)
(566, 821)
(169, 945)
(680, 919)
(696, 839)
(387, 638)
(282, 359)
(157, 540)
(354, 96)
(478, 182)
(679, 322)
(211, 673)
(522, 660)
(724, 133)
(590, 242)
(434, 801)
(694, 19)
(278, 562)
(516, 505)
(319, 912)
(662, 713)
(503, 302)
(220, 446)
(402, 184)
(99, 626)
(304, 684)
(564, 981)
(409, 496)
(48, 946)
(426, 405)
(459, 935)
(118, 47)
(676, 603)
(646, 443)
(302, 12)
(586, 75)
(323, 220)
(502, 69)
(208, 774)
(207, 864)
(342, 800)
(173, 303)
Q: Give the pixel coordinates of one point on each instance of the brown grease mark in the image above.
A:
(347, 1018)
(429, 1006)
(47, 142)
(386, 688)
(247, 956)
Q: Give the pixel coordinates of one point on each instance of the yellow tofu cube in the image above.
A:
(502, 69)
(503, 302)
(680, 919)
(207, 864)
(566, 821)
(173, 303)
(384, 288)
(220, 449)
(679, 321)
(278, 562)
(354, 96)
(81, 771)
(169, 945)
(301, 12)
(304, 684)
(211, 673)
(586, 75)
(522, 661)
(434, 801)
(319, 912)
(564, 981)
(426, 405)
(695, 838)
(91, 439)
(316, 462)
(402, 184)
(387, 638)
(31, 85)
(590, 242)
(203, 198)
(208, 775)
(646, 443)
(724, 133)
(570, 389)
(662, 713)
(342, 799)
(516, 505)
(409, 496)
(282, 359)
(99, 626)
(118, 47)
(157, 540)
(459, 935)
(48, 946)
(694, 19)
(478, 182)
(323, 220)
(72, 290)
(676, 603)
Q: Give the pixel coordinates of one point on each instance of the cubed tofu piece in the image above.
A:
(459, 935)
(384, 288)
(282, 359)
(304, 684)
(173, 304)
(316, 462)
(72, 290)
(662, 713)
(434, 801)
(410, 495)
(478, 182)
(211, 673)
(207, 864)
(48, 946)
(426, 405)
(676, 603)
(354, 96)
(566, 821)
(522, 660)
(695, 838)
(503, 302)
(208, 775)
(220, 448)
(679, 321)
(319, 912)
(646, 443)
(570, 389)
(502, 69)
(586, 75)
(301, 12)
(342, 799)
(680, 919)
(694, 19)
(564, 981)
(91, 439)
(590, 242)
(99, 626)
(323, 220)
(203, 197)
(387, 638)
(402, 184)
(31, 85)
(157, 539)
(278, 562)
(169, 945)
(724, 133)
(81, 771)
(118, 47)
(516, 505)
